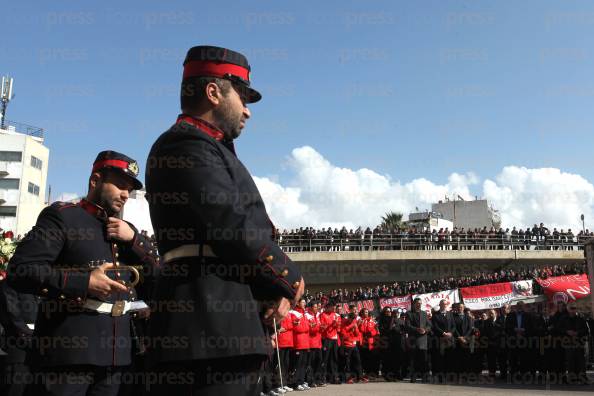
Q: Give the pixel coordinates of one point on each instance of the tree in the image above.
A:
(392, 221)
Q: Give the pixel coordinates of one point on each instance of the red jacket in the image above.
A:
(315, 336)
(349, 333)
(368, 330)
(330, 325)
(285, 339)
(300, 329)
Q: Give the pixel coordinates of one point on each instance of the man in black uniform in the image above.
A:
(17, 315)
(216, 239)
(82, 340)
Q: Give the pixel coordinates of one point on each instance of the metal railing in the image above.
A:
(298, 243)
(23, 128)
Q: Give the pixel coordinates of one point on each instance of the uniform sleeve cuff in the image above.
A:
(76, 284)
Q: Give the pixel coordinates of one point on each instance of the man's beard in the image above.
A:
(108, 205)
(226, 121)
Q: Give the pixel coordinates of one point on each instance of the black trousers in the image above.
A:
(369, 361)
(232, 376)
(353, 367)
(461, 362)
(418, 363)
(315, 367)
(14, 378)
(299, 360)
(77, 380)
(330, 359)
(440, 361)
(285, 365)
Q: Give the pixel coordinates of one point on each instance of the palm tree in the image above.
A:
(392, 221)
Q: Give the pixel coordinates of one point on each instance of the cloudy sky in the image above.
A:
(367, 106)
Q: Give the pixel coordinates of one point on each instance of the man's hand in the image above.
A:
(447, 334)
(283, 306)
(119, 230)
(101, 286)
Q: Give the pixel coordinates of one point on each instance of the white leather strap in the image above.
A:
(192, 250)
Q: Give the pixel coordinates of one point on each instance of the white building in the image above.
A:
(23, 176)
(136, 211)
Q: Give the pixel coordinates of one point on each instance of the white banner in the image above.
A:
(431, 301)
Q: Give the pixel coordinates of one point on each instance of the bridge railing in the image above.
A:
(298, 243)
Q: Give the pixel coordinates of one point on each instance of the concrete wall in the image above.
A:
(467, 214)
(325, 270)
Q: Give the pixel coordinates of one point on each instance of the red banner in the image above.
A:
(396, 302)
(359, 304)
(487, 296)
(565, 288)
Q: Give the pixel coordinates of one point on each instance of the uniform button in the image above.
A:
(117, 254)
(44, 291)
(117, 263)
(296, 285)
(285, 273)
(270, 258)
(78, 299)
(141, 243)
(62, 297)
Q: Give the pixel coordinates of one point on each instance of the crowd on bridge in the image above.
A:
(343, 295)
(412, 238)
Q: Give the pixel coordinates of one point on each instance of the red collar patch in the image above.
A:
(93, 209)
(204, 126)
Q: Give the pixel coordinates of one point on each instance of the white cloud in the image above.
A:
(527, 196)
(321, 194)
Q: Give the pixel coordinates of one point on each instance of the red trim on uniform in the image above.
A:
(111, 162)
(65, 279)
(91, 208)
(214, 69)
(204, 126)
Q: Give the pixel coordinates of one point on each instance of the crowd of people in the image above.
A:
(413, 238)
(447, 283)
(318, 347)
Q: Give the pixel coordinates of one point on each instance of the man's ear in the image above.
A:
(94, 180)
(213, 93)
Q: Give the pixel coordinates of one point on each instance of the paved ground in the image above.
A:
(419, 389)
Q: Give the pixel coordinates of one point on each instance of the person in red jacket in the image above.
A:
(369, 333)
(315, 347)
(350, 335)
(285, 346)
(301, 328)
(330, 328)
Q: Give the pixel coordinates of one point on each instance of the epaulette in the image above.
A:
(63, 205)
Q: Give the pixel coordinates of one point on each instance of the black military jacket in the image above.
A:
(71, 236)
(199, 192)
(17, 313)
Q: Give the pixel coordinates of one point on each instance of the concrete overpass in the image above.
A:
(325, 270)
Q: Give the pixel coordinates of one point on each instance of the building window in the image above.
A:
(8, 211)
(36, 162)
(9, 184)
(33, 189)
(11, 156)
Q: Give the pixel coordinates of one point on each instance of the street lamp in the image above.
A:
(583, 223)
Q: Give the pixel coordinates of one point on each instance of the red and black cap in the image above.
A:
(119, 163)
(209, 61)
